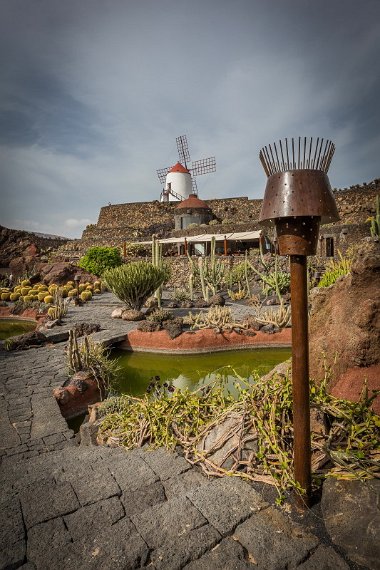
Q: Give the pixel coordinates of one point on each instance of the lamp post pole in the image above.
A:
(297, 199)
(300, 374)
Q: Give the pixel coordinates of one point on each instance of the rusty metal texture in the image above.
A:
(297, 193)
(297, 236)
(297, 154)
(300, 374)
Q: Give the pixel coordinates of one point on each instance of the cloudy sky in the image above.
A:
(93, 94)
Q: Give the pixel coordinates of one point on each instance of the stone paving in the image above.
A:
(70, 506)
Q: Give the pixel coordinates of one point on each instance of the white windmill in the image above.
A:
(179, 180)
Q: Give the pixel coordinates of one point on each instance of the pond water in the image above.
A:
(190, 371)
(14, 327)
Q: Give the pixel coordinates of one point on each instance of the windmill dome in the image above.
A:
(192, 202)
(179, 168)
(191, 211)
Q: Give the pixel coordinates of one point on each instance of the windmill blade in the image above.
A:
(183, 149)
(203, 166)
(161, 173)
(194, 185)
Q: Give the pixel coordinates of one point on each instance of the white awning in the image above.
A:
(201, 238)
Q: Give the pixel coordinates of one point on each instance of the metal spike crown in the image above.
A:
(298, 195)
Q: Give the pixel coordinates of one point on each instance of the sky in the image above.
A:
(93, 94)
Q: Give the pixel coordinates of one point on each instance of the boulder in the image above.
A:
(217, 300)
(117, 313)
(62, 272)
(77, 394)
(173, 327)
(345, 327)
(132, 315)
(24, 341)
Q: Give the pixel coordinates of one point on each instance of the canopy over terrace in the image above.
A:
(200, 241)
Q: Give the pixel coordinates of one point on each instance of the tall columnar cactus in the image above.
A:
(204, 286)
(375, 221)
(157, 262)
(214, 270)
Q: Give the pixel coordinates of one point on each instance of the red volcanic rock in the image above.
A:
(205, 340)
(75, 397)
(345, 327)
(31, 251)
(350, 384)
(61, 272)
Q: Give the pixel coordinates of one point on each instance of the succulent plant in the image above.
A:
(25, 282)
(49, 299)
(72, 293)
(134, 282)
(86, 296)
(27, 298)
(5, 296)
(14, 297)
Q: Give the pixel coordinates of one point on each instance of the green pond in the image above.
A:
(14, 327)
(190, 371)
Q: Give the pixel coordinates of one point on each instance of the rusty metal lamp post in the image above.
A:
(297, 200)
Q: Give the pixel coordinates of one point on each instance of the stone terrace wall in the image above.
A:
(137, 221)
(357, 203)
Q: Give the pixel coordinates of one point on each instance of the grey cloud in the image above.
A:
(94, 94)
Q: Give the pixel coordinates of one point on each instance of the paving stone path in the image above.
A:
(69, 506)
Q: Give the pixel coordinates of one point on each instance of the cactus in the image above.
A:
(211, 272)
(217, 317)
(157, 262)
(14, 296)
(134, 282)
(59, 309)
(86, 295)
(5, 296)
(49, 299)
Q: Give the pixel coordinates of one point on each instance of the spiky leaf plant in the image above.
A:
(135, 282)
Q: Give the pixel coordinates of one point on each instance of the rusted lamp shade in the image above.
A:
(298, 195)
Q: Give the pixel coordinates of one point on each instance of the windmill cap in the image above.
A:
(192, 202)
(179, 168)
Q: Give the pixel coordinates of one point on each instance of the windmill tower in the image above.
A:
(179, 180)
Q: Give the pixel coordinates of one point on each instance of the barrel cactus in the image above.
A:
(86, 296)
(14, 297)
(5, 296)
(49, 299)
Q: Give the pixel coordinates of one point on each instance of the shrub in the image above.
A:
(135, 282)
(99, 259)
